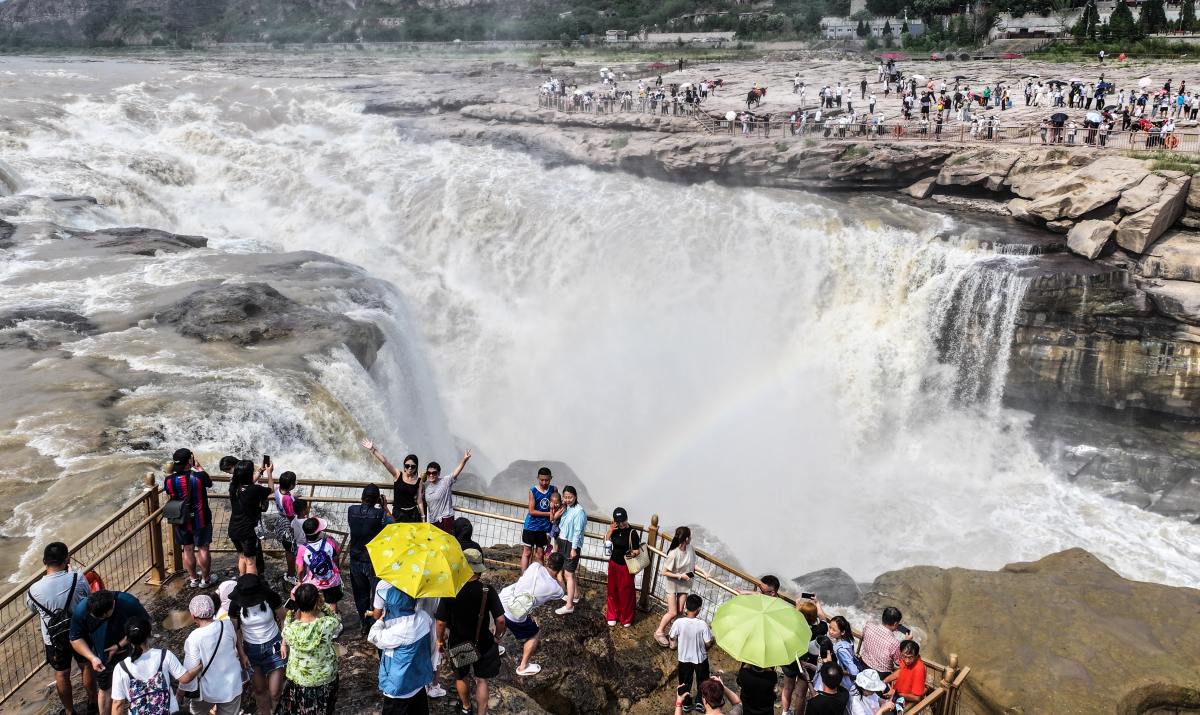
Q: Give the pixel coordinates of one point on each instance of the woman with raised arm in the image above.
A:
(408, 507)
(436, 494)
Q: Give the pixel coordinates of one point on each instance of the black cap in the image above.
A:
(619, 514)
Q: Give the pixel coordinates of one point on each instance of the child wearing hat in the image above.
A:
(317, 560)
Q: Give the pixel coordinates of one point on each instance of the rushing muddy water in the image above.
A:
(787, 369)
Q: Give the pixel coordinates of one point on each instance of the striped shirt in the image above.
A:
(193, 487)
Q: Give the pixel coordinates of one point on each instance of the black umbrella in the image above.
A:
(1056, 81)
(960, 76)
(1103, 85)
(1059, 117)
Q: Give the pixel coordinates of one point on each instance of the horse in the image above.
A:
(754, 97)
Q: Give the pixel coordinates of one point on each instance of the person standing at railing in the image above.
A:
(572, 525)
(436, 494)
(537, 521)
(366, 519)
(909, 680)
(626, 541)
(678, 570)
(880, 650)
(189, 482)
(406, 486)
(98, 634)
(54, 596)
(247, 502)
(842, 653)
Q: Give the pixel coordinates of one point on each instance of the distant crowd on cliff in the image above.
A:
(282, 646)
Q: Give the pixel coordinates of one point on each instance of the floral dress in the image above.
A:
(312, 674)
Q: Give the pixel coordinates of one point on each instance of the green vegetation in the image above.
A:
(810, 142)
(781, 147)
(1169, 161)
(620, 141)
(855, 152)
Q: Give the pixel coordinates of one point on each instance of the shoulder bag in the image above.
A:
(195, 694)
(178, 511)
(465, 654)
(636, 564)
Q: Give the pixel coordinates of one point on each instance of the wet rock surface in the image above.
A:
(249, 313)
(1131, 645)
(831, 586)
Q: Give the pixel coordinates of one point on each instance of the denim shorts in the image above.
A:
(265, 655)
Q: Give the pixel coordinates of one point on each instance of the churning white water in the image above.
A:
(815, 379)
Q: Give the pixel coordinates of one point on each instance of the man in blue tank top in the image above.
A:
(537, 522)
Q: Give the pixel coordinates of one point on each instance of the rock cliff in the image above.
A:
(1065, 634)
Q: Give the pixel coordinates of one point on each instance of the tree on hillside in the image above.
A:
(1122, 25)
(861, 30)
(887, 29)
(1187, 17)
(1153, 18)
(1085, 26)
(904, 28)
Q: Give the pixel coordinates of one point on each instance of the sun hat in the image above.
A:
(475, 560)
(869, 680)
(201, 606)
(320, 526)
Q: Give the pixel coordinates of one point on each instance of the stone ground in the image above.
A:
(587, 667)
(741, 76)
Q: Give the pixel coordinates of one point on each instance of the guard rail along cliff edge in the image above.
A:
(134, 546)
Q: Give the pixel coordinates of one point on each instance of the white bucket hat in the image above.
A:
(869, 680)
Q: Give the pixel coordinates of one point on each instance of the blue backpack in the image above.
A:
(320, 562)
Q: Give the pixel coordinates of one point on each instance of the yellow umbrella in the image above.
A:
(420, 560)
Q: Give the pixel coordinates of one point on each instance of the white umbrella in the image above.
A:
(730, 116)
(1144, 82)
(918, 78)
(603, 69)
(685, 85)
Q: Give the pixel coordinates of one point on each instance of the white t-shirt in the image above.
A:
(536, 580)
(144, 668)
(864, 704)
(260, 626)
(691, 635)
(222, 683)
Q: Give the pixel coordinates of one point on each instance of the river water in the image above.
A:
(790, 370)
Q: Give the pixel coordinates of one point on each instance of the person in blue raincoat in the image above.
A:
(406, 665)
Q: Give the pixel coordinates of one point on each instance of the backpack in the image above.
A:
(320, 563)
(151, 696)
(180, 511)
(58, 621)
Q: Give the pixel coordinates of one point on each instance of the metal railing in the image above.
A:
(134, 543)
(123, 549)
(582, 104)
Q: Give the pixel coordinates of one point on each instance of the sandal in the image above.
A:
(531, 669)
(662, 640)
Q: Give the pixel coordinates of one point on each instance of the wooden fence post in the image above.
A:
(158, 571)
(947, 684)
(648, 573)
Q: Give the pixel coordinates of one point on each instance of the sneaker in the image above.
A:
(564, 610)
(191, 583)
(207, 582)
(93, 709)
(460, 710)
(435, 691)
(612, 623)
(687, 703)
(291, 579)
(789, 712)
(628, 625)
(501, 649)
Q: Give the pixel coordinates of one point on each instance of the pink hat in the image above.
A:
(201, 606)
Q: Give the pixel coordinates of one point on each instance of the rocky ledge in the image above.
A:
(1065, 634)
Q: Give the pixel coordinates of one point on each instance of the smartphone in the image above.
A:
(902, 628)
(266, 459)
(809, 596)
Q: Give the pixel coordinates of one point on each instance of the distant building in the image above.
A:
(847, 29)
(390, 21)
(616, 36)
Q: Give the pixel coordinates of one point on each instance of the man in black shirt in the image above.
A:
(833, 698)
(758, 689)
(459, 618)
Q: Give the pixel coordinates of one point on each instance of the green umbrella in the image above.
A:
(761, 630)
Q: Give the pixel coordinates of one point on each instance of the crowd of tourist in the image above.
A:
(280, 645)
(915, 105)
